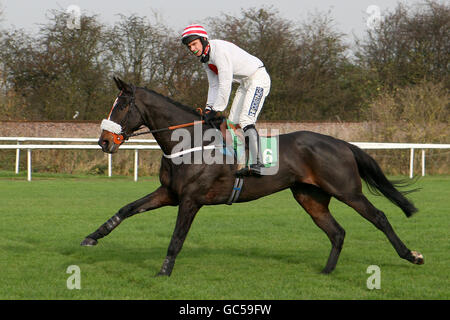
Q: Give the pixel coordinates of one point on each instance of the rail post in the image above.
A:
(423, 162)
(136, 164)
(109, 164)
(29, 164)
(411, 164)
(17, 157)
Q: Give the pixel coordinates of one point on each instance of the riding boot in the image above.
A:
(253, 144)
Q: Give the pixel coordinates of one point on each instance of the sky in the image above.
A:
(350, 16)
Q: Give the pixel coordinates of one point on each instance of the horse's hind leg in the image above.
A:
(366, 209)
(315, 202)
(159, 198)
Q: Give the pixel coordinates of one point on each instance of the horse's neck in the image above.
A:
(161, 113)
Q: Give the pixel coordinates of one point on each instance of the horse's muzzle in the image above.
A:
(110, 142)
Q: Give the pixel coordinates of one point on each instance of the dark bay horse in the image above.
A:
(313, 166)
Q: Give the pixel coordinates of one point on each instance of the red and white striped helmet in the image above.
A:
(192, 32)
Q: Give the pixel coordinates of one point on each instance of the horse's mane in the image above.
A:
(171, 101)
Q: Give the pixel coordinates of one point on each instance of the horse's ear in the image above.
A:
(118, 83)
(123, 86)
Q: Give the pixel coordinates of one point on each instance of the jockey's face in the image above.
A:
(196, 47)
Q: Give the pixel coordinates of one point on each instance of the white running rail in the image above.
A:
(29, 147)
(411, 146)
(150, 144)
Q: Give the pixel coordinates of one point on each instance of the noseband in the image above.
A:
(115, 129)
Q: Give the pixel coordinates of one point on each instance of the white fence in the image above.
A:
(150, 144)
(411, 146)
(145, 144)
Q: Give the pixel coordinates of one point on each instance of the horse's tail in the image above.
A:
(371, 173)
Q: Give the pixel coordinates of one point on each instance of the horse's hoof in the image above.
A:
(418, 257)
(89, 242)
(161, 274)
(327, 270)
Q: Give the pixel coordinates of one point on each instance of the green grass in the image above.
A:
(266, 249)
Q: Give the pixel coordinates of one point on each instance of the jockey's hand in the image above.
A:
(209, 114)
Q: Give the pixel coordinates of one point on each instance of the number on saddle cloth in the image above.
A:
(268, 147)
(269, 150)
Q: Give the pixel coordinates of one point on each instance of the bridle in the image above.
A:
(114, 128)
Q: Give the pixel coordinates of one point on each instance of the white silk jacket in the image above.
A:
(227, 63)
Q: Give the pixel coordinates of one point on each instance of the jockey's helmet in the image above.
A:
(192, 32)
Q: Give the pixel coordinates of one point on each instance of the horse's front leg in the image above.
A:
(186, 214)
(159, 198)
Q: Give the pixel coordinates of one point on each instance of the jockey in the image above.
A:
(224, 62)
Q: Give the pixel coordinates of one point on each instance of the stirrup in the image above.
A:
(244, 172)
(256, 169)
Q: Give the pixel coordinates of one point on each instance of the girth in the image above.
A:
(237, 188)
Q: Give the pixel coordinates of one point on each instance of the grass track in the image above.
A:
(266, 249)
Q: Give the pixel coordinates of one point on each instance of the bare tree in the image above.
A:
(307, 62)
(63, 70)
(60, 71)
(134, 45)
(410, 44)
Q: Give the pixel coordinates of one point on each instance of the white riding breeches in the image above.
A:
(249, 98)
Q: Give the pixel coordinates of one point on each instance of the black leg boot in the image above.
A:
(252, 142)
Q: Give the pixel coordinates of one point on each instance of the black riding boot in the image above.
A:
(252, 142)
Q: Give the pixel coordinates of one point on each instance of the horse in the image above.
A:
(315, 167)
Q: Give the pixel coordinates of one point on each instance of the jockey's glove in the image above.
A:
(209, 114)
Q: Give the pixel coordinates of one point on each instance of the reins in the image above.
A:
(119, 137)
(184, 125)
